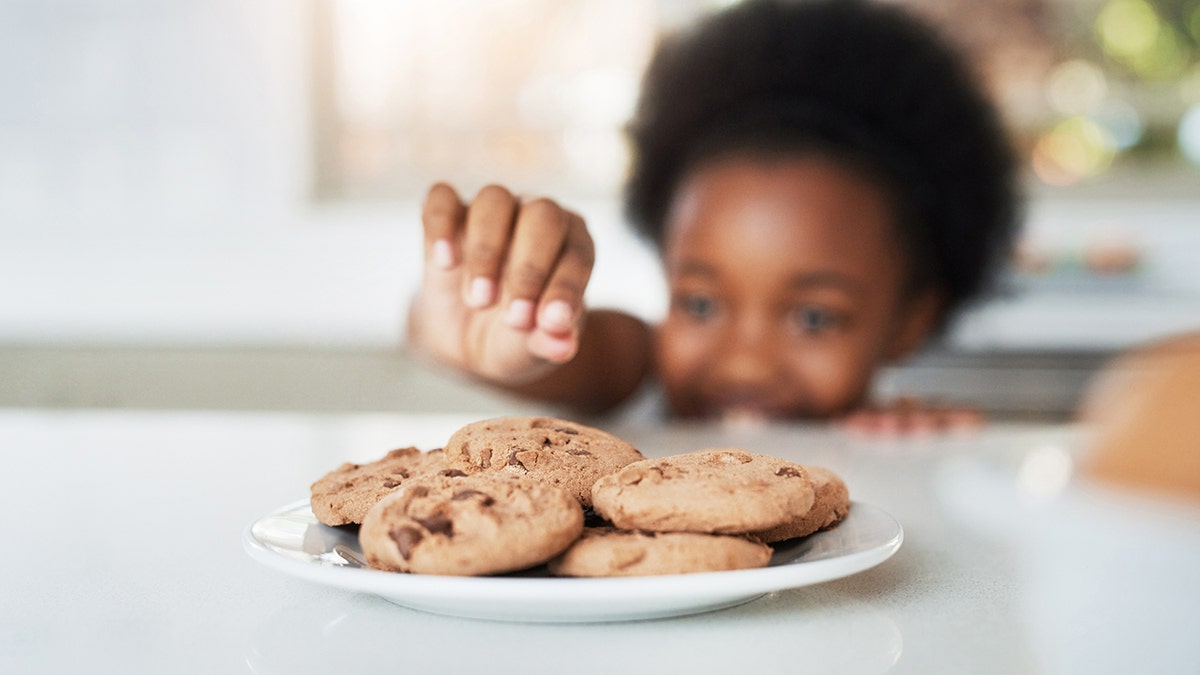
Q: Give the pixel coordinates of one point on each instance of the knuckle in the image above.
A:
(527, 277)
(482, 252)
(439, 215)
(585, 251)
(544, 210)
(442, 207)
(580, 240)
(440, 190)
(567, 288)
(493, 192)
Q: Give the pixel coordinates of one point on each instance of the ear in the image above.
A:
(919, 318)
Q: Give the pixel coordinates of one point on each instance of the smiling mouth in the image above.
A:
(742, 411)
(744, 417)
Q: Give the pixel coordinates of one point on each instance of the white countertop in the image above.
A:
(125, 557)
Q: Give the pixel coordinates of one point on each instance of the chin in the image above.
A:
(742, 413)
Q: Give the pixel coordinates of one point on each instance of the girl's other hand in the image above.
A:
(909, 417)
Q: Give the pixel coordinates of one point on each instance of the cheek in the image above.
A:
(836, 377)
(681, 355)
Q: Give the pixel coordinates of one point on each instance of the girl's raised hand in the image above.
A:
(502, 292)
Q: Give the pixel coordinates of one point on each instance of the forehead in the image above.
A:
(790, 211)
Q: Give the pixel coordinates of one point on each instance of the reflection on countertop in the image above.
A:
(1011, 562)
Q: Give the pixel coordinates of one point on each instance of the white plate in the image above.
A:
(291, 540)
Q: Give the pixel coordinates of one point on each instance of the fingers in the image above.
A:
(560, 312)
(537, 244)
(475, 237)
(562, 300)
(442, 217)
(548, 268)
(906, 418)
(533, 258)
(485, 245)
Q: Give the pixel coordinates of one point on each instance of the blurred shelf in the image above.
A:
(308, 380)
(1017, 385)
(1008, 385)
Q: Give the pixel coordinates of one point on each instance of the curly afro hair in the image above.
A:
(851, 81)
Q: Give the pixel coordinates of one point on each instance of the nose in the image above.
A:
(749, 354)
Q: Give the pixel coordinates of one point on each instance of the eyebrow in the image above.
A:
(825, 279)
(805, 281)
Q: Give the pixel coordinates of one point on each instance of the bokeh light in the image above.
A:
(1166, 58)
(1189, 85)
(1076, 87)
(1074, 149)
(1122, 123)
(1189, 135)
(1133, 33)
(1127, 27)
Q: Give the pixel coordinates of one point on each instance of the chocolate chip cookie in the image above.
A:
(719, 490)
(831, 503)
(344, 495)
(567, 454)
(608, 552)
(469, 525)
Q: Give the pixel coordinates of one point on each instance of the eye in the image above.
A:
(696, 306)
(815, 319)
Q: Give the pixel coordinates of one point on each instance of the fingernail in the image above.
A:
(443, 254)
(520, 313)
(483, 291)
(554, 348)
(557, 314)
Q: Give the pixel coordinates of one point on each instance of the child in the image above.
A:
(826, 188)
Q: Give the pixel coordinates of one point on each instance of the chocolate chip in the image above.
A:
(406, 538)
(593, 519)
(390, 483)
(438, 523)
(577, 451)
(451, 473)
(568, 430)
(419, 491)
(467, 494)
(523, 458)
(789, 472)
(485, 458)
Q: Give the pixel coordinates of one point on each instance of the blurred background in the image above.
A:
(215, 203)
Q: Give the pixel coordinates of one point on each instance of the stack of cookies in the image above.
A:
(511, 493)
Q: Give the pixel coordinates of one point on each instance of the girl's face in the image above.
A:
(787, 290)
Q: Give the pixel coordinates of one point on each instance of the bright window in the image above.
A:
(534, 93)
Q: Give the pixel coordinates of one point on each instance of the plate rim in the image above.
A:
(650, 590)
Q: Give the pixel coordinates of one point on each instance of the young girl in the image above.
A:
(826, 187)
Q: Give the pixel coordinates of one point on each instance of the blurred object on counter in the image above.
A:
(1143, 417)
(1099, 262)
(1111, 257)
